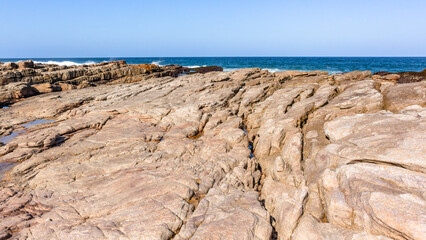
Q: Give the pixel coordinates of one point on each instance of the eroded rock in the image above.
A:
(221, 155)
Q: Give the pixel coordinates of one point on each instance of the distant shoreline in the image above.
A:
(272, 64)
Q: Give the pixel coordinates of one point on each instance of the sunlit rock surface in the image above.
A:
(222, 155)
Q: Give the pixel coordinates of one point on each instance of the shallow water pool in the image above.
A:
(8, 138)
(4, 167)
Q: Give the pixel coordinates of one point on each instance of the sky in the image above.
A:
(160, 28)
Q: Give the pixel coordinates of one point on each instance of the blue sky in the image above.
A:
(130, 28)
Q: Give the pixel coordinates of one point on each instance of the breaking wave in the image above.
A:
(272, 70)
(195, 66)
(157, 63)
(65, 63)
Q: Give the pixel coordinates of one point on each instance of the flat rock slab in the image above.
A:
(222, 155)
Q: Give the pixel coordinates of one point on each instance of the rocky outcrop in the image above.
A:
(402, 77)
(47, 78)
(246, 154)
(204, 69)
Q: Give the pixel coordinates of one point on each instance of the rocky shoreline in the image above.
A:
(117, 151)
(25, 79)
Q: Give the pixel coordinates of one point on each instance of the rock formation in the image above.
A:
(246, 154)
(17, 78)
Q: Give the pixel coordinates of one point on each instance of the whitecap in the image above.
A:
(272, 70)
(194, 66)
(334, 72)
(65, 63)
(157, 62)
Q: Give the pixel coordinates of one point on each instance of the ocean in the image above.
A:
(273, 64)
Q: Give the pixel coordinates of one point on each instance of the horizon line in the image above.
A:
(226, 57)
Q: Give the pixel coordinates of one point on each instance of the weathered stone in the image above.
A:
(9, 66)
(204, 69)
(26, 64)
(400, 96)
(46, 88)
(222, 155)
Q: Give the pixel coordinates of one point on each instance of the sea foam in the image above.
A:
(65, 63)
(157, 63)
(272, 70)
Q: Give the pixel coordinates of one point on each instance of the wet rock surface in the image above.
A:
(222, 155)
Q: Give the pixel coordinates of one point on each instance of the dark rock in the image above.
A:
(205, 69)
(406, 77)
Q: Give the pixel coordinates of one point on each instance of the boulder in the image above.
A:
(66, 86)
(25, 64)
(390, 77)
(14, 91)
(47, 87)
(9, 66)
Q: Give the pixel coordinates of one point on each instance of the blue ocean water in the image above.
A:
(273, 64)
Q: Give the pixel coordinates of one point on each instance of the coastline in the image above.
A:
(272, 64)
(27, 78)
(114, 150)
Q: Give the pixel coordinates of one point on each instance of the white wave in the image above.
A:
(195, 66)
(157, 63)
(272, 70)
(65, 63)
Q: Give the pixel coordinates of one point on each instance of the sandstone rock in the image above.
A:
(400, 96)
(291, 74)
(246, 154)
(355, 75)
(390, 77)
(147, 67)
(47, 88)
(83, 76)
(25, 64)
(14, 91)
(310, 229)
(216, 218)
(66, 86)
(9, 66)
(365, 146)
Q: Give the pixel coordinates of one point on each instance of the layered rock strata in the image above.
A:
(246, 154)
(25, 79)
